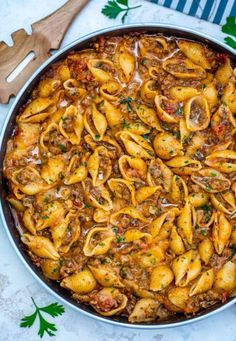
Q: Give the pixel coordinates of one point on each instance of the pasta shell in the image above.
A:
(126, 215)
(40, 246)
(179, 189)
(183, 69)
(226, 278)
(110, 90)
(126, 63)
(112, 113)
(176, 242)
(149, 90)
(28, 220)
(51, 140)
(113, 148)
(95, 123)
(135, 234)
(146, 309)
(198, 199)
(36, 111)
(184, 165)
(98, 241)
(211, 180)
(224, 202)
(161, 277)
(98, 196)
(185, 222)
(181, 93)
(81, 282)
(77, 170)
(71, 125)
(51, 269)
(99, 166)
(152, 46)
(167, 146)
(223, 124)
(145, 192)
(29, 181)
(52, 214)
(159, 174)
(229, 97)
(224, 72)
(100, 216)
(52, 169)
(186, 267)
(179, 297)
(101, 69)
(195, 52)
(117, 301)
(157, 224)
(73, 89)
(206, 250)
(148, 116)
(136, 145)
(203, 283)
(122, 189)
(47, 86)
(197, 113)
(106, 276)
(218, 160)
(132, 169)
(221, 232)
(168, 110)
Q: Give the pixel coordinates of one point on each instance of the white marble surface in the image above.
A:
(16, 284)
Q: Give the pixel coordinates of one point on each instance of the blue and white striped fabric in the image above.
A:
(215, 11)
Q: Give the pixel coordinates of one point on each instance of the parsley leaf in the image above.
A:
(112, 9)
(230, 28)
(53, 309)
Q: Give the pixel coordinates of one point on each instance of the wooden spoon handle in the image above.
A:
(47, 34)
(56, 24)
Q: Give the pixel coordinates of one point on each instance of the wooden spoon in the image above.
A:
(47, 34)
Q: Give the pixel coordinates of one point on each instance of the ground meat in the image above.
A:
(103, 302)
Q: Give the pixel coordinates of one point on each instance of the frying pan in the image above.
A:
(6, 214)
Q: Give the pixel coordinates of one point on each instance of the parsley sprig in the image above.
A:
(53, 309)
(230, 28)
(112, 9)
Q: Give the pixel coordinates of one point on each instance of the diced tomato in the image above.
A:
(78, 203)
(218, 129)
(224, 297)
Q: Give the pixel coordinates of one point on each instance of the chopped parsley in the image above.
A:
(103, 261)
(97, 137)
(128, 102)
(45, 217)
(120, 239)
(62, 147)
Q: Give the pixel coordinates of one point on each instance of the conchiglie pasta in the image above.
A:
(195, 52)
(161, 277)
(40, 246)
(197, 113)
(203, 283)
(71, 125)
(221, 232)
(136, 145)
(99, 166)
(146, 309)
(118, 301)
(184, 69)
(166, 146)
(81, 282)
(98, 241)
(95, 123)
(226, 278)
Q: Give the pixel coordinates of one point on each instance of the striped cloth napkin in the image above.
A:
(215, 11)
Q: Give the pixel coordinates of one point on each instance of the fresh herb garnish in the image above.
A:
(112, 9)
(127, 101)
(230, 28)
(53, 309)
(62, 147)
(97, 137)
(120, 239)
(45, 217)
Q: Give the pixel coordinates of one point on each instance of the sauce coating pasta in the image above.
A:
(122, 172)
